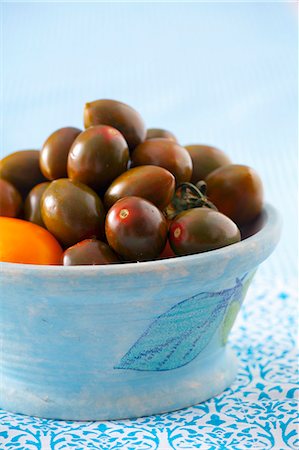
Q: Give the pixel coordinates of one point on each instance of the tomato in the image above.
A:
(89, 251)
(251, 228)
(10, 200)
(205, 159)
(237, 192)
(22, 170)
(150, 182)
(136, 229)
(118, 115)
(164, 153)
(27, 243)
(153, 133)
(54, 154)
(32, 206)
(98, 156)
(72, 211)
(199, 230)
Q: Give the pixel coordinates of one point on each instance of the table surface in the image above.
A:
(218, 73)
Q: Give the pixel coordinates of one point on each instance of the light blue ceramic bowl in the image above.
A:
(118, 341)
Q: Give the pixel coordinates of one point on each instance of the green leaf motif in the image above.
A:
(177, 336)
(229, 320)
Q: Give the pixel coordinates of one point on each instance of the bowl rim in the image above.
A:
(272, 226)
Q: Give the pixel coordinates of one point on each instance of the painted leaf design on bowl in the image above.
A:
(229, 320)
(233, 309)
(177, 336)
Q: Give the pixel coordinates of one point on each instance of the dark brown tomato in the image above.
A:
(54, 153)
(199, 230)
(89, 252)
(98, 156)
(32, 207)
(153, 133)
(136, 229)
(150, 182)
(22, 170)
(166, 154)
(253, 227)
(237, 192)
(72, 211)
(10, 200)
(205, 159)
(118, 115)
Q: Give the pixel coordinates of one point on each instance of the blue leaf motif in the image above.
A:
(177, 336)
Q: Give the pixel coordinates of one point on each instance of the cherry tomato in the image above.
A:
(167, 154)
(22, 170)
(153, 133)
(27, 243)
(72, 211)
(205, 159)
(150, 182)
(98, 156)
(237, 192)
(251, 228)
(136, 229)
(32, 207)
(117, 115)
(89, 251)
(10, 200)
(54, 154)
(200, 230)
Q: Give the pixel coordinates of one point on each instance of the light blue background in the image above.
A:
(217, 73)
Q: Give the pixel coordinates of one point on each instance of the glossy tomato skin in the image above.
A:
(237, 191)
(150, 182)
(54, 153)
(118, 115)
(205, 160)
(253, 227)
(89, 252)
(199, 230)
(22, 170)
(153, 133)
(32, 206)
(167, 154)
(98, 156)
(27, 243)
(10, 200)
(72, 211)
(136, 229)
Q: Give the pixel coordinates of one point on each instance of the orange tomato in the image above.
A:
(27, 243)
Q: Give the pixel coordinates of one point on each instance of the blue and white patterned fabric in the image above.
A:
(217, 73)
(259, 411)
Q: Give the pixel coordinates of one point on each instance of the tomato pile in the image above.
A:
(117, 192)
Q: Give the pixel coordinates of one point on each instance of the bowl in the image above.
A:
(124, 340)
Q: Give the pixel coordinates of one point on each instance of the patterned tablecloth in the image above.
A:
(259, 411)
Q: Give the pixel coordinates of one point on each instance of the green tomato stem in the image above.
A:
(188, 196)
